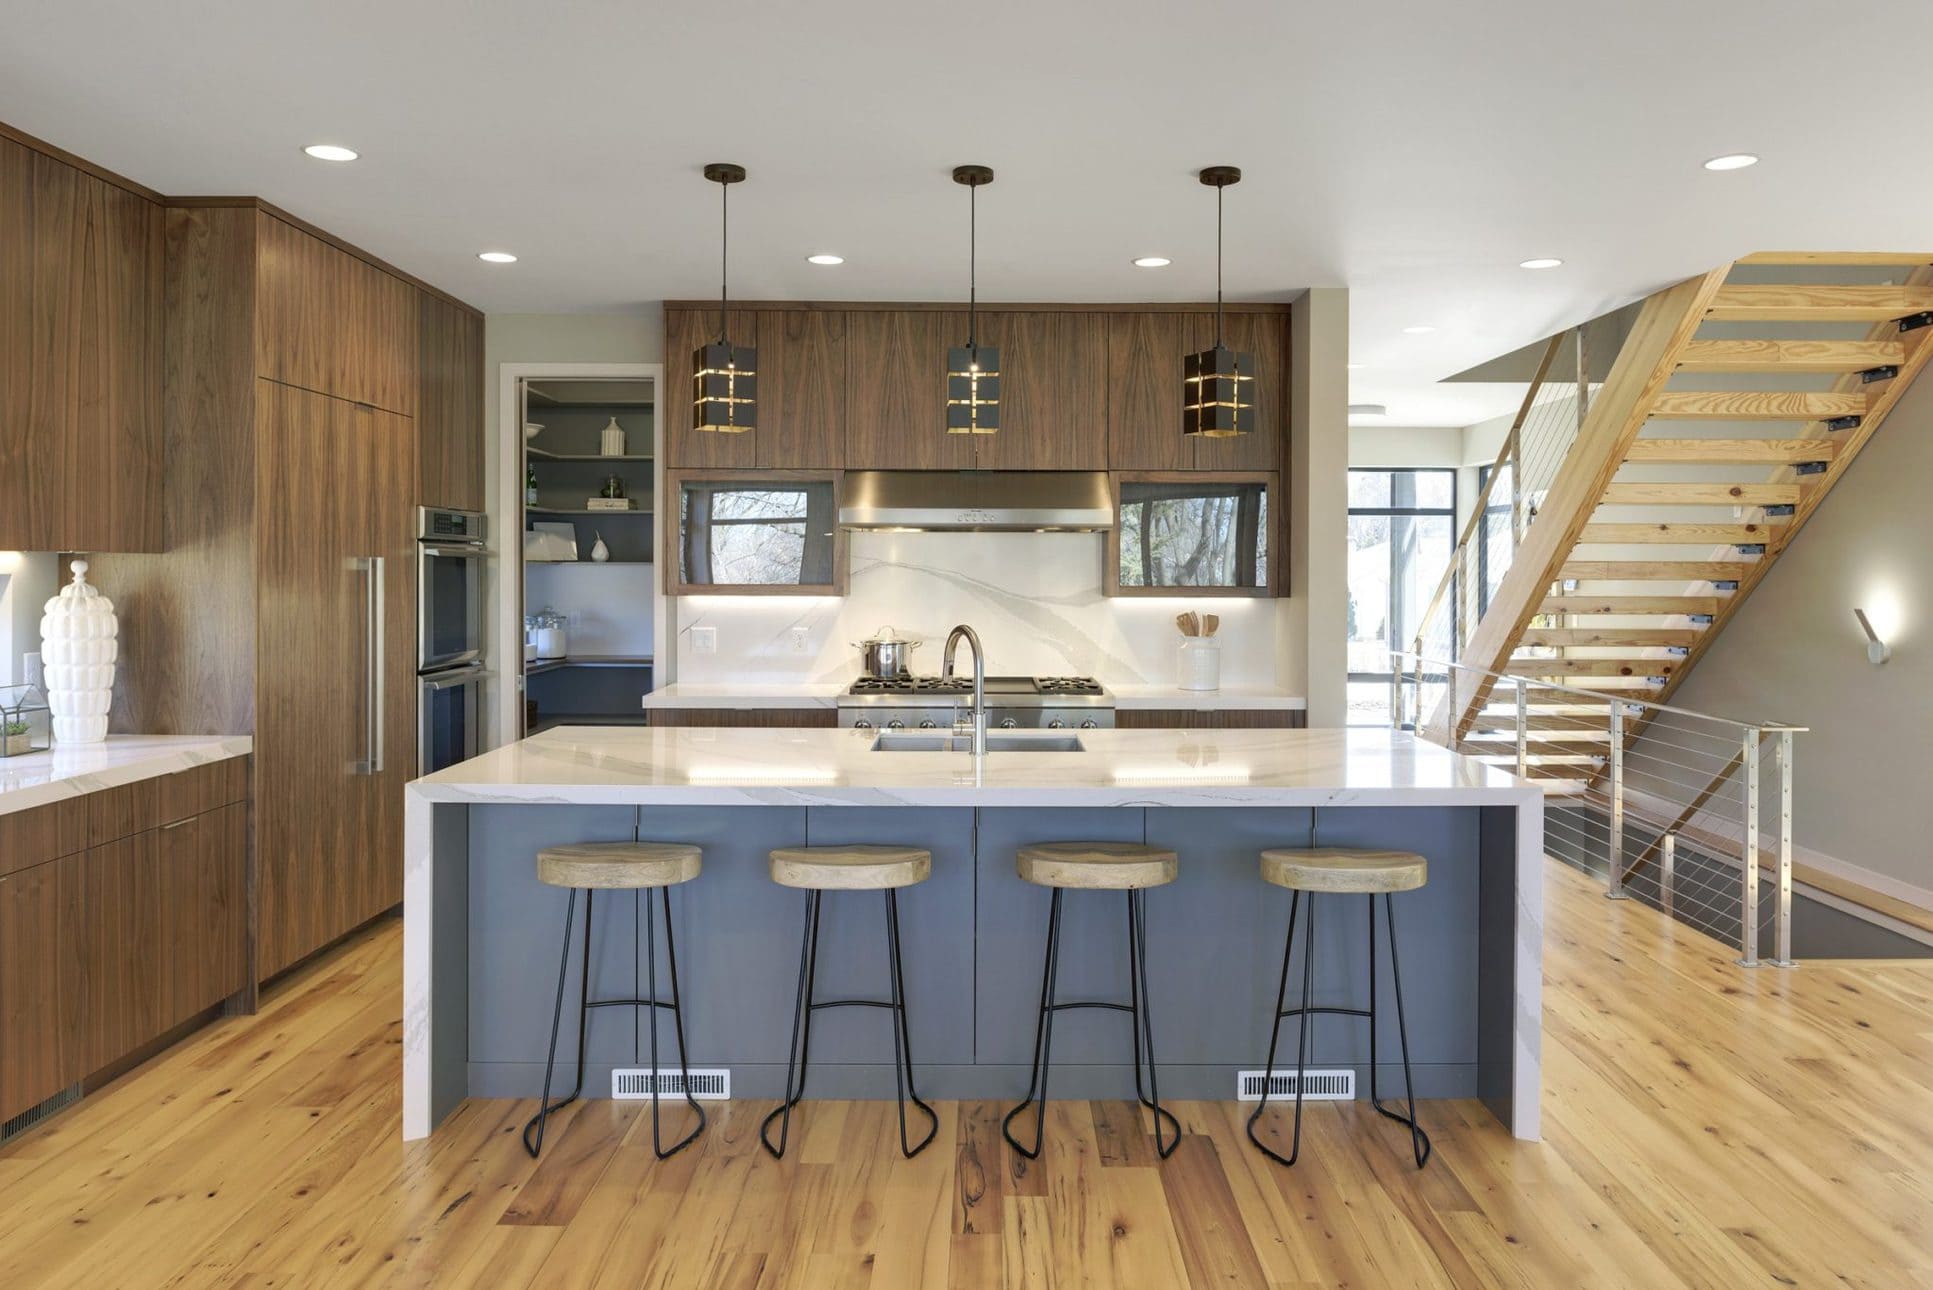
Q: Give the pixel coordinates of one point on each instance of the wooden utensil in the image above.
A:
(1209, 623)
(1189, 624)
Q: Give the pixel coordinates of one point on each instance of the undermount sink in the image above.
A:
(1002, 741)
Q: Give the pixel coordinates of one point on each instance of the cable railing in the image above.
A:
(1684, 811)
(1540, 436)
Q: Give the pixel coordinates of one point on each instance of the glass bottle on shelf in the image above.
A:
(530, 485)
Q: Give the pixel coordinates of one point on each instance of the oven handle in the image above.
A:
(449, 681)
(461, 551)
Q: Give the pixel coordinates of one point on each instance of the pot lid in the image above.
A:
(886, 635)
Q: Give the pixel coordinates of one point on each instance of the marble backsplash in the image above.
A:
(1034, 598)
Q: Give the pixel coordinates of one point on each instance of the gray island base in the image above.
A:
(483, 937)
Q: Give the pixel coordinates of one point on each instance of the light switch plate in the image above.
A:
(704, 640)
(801, 640)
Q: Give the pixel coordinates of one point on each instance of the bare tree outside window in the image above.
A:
(756, 534)
(1194, 535)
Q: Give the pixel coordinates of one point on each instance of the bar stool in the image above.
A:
(591, 867)
(818, 870)
(1339, 871)
(1131, 867)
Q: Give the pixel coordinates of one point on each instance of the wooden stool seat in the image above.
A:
(857, 867)
(619, 865)
(1096, 866)
(1344, 869)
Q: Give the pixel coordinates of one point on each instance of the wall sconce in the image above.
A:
(1877, 650)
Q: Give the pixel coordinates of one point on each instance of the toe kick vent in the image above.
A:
(642, 1085)
(1317, 1085)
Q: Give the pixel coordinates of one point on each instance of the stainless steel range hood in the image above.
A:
(978, 501)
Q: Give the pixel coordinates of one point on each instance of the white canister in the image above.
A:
(613, 440)
(1199, 663)
(78, 647)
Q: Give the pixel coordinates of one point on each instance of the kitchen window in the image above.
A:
(1205, 534)
(767, 534)
(1402, 530)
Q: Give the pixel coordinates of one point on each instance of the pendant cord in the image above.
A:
(1218, 265)
(724, 253)
(973, 262)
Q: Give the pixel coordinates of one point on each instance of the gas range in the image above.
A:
(1013, 702)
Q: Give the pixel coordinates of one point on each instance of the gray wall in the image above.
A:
(1794, 653)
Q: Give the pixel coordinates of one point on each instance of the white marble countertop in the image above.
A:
(825, 694)
(687, 766)
(74, 770)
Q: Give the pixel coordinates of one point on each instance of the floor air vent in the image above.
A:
(1317, 1085)
(638, 1084)
(33, 1115)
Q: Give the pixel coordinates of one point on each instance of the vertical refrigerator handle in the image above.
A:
(374, 634)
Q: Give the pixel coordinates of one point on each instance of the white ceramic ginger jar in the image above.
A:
(78, 647)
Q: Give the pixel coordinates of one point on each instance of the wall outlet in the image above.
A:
(704, 640)
(801, 640)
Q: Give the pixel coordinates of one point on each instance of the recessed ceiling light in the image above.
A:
(825, 257)
(1368, 410)
(1418, 331)
(496, 257)
(1152, 262)
(1733, 161)
(1541, 262)
(330, 152)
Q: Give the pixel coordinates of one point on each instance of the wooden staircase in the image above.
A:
(1736, 402)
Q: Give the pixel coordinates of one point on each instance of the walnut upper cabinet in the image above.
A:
(1053, 391)
(801, 389)
(684, 331)
(1266, 336)
(449, 404)
(896, 390)
(1146, 351)
(331, 322)
(80, 359)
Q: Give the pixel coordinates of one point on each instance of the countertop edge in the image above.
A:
(170, 753)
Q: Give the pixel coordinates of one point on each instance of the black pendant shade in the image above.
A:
(724, 381)
(1218, 393)
(1218, 384)
(972, 369)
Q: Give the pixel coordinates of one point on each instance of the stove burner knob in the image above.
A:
(862, 724)
(1055, 724)
(929, 724)
(895, 724)
(1088, 724)
(1008, 723)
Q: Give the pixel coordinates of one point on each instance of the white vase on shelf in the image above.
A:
(600, 552)
(612, 440)
(78, 647)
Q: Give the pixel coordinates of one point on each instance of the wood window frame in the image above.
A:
(1277, 531)
(671, 536)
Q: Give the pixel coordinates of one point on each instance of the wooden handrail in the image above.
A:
(1483, 498)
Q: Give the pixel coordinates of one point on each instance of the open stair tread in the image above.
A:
(1794, 356)
(1757, 405)
(1730, 452)
(1701, 494)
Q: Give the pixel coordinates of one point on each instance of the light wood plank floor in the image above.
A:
(1706, 1127)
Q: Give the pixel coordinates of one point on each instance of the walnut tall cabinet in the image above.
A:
(310, 399)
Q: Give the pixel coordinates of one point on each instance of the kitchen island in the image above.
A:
(482, 935)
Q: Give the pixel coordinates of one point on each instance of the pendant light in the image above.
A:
(724, 383)
(972, 369)
(1218, 385)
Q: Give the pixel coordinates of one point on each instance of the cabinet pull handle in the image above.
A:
(372, 568)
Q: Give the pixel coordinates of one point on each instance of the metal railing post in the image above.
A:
(1668, 873)
(1396, 692)
(1523, 728)
(1583, 380)
(1615, 889)
(1782, 927)
(1748, 894)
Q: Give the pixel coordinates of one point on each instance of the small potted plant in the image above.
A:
(24, 724)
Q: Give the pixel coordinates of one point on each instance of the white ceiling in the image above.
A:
(1411, 150)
